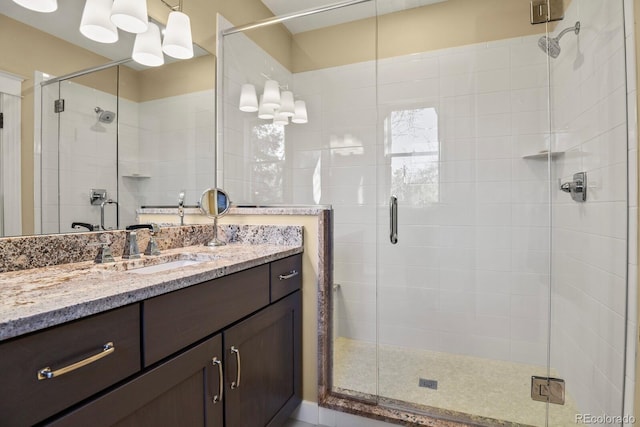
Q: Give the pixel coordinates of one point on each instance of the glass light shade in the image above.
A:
(130, 15)
(248, 98)
(300, 115)
(96, 23)
(45, 6)
(280, 119)
(271, 95)
(147, 49)
(265, 112)
(287, 107)
(177, 41)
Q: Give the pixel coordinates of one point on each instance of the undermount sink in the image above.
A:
(164, 267)
(155, 264)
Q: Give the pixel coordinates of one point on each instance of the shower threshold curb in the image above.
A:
(403, 413)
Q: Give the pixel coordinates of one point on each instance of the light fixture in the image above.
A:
(271, 95)
(45, 6)
(96, 23)
(147, 49)
(287, 107)
(300, 115)
(248, 98)
(280, 119)
(265, 112)
(177, 41)
(130, 15)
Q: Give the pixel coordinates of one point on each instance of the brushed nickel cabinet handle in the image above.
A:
(236, 383)
(289, 275)
(47, 373)
(218, 397)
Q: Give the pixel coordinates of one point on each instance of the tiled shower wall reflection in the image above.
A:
(154, 150)
(82, 158)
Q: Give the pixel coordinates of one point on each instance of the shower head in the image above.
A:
(551, 45)
(104, 116)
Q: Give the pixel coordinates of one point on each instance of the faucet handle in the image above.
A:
(131, 250)
(152, 247)
(104, 254)
(152, 227)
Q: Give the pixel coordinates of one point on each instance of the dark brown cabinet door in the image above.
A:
(79, 348)
(263, 365)
(179, 392)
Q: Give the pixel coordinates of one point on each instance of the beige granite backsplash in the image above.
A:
(26, 252)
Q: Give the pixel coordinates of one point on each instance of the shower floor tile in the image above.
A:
(483, 387)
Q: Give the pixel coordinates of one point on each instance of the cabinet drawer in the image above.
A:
(178, 319)
(286, 276)
(27, 399)
(178, 392)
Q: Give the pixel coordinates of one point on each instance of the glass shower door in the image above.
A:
(88, 150)
(464, 293)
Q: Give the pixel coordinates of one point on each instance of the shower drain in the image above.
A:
(432, 384)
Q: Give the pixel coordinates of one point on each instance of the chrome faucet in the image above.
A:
(131, 249)
(181, 207)
(106, 202)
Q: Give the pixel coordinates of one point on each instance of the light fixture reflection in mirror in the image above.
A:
(96, 24)
(214, 203)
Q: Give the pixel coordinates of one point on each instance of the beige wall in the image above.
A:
(310, 270)
(438, 26)
(178, 78)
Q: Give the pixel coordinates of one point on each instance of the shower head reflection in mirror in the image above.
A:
(104, 116)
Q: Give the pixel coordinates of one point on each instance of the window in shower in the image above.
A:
(413, 149)
(267, 163)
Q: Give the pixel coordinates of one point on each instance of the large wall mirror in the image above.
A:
(138, 136)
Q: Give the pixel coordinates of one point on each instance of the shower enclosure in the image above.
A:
(441, 136)
(79, 151)
(102, 134)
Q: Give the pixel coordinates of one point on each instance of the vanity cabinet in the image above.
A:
(75, 359)
(178, 392)
(263, 356)
(174, 320)
(220, 353)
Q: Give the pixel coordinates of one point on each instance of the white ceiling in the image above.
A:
(338, 16)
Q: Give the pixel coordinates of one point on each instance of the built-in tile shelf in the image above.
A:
(136, 176)
(544, 154)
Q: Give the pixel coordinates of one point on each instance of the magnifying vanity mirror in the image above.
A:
(214, 203)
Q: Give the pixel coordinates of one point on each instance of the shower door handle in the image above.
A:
(393, 222)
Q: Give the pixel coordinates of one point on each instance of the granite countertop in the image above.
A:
(42, 297)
